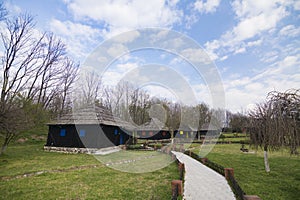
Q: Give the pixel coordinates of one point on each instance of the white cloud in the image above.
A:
(297, 5)
(211, 47)
(125, 67)
(243, 92)
(127, 37)
(116, 50)
(248, 8)
(289, 61)
(254, 25)
(209, 6)
(114, 74)
(203, 94)
(223, 58)
(161, 92)
(12, 8)
(121, 15)
(240, 50)
(196, 55)
(269, 57)
(290, 31)
(78, 37)
(254, 17)
(254, 43)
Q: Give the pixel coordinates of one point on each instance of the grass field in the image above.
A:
(282, 183)
(65, 178)
(136, 161)
(65, 181)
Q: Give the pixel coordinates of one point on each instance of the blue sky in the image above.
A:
(254, 43)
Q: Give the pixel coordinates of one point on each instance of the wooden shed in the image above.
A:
(208, 129)
(153, 130)
(185, 131)
(91, 127)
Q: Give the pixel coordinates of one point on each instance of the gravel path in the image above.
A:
(201, 182)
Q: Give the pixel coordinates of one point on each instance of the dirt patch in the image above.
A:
(25, 175)
(22, 140)
(38, 137)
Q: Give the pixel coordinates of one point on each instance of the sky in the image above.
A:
(253, 44)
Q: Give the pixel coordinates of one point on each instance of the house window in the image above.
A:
(62, 132)
(81, 133)
(151, 133)
(116, 131)
(181, 132)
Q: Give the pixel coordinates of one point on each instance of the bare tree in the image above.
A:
(3, 12)
(286, 116)
(61, 101)
(238, 122)
(88, 88)
(204, 114)
(217, 118)
(20, 55)
(276, 123)
(68, 78)
(260, 130)
(51, 69)
(33, 65)
(139, 106)
(18, 60)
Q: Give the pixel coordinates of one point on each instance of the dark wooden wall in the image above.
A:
(94, 136)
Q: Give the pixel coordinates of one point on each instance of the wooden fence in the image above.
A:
(229, 175)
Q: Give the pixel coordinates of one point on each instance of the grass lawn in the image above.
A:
(139, 161)
(283, 182)
(99, 182)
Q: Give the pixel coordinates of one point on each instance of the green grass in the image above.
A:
(237, 139)
(20, 159)
(282, 183)
(140, 161)
(90, 183)
(234, 134)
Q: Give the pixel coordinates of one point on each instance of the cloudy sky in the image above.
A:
(254, 44)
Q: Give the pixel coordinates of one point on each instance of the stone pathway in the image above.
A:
(201, 182)
(108, 150)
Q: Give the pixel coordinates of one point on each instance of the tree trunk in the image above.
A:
(3, 148)
(267, 167)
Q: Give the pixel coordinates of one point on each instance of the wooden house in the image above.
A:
(91, 127)
(153, 130)
(186, 132)
(208, 129)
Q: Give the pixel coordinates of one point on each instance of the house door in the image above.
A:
(121, 138)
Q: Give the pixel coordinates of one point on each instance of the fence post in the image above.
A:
(168, 150)
(173, 147)
(180, 166)
(204, 160)
(251, 197)
(181, 148)
(173, 157)
(228, 171)
(177, 184)
(181, 170)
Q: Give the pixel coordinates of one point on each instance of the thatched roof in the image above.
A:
(92, 115)
(185, 127)
(208, 127)
(154, 125)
